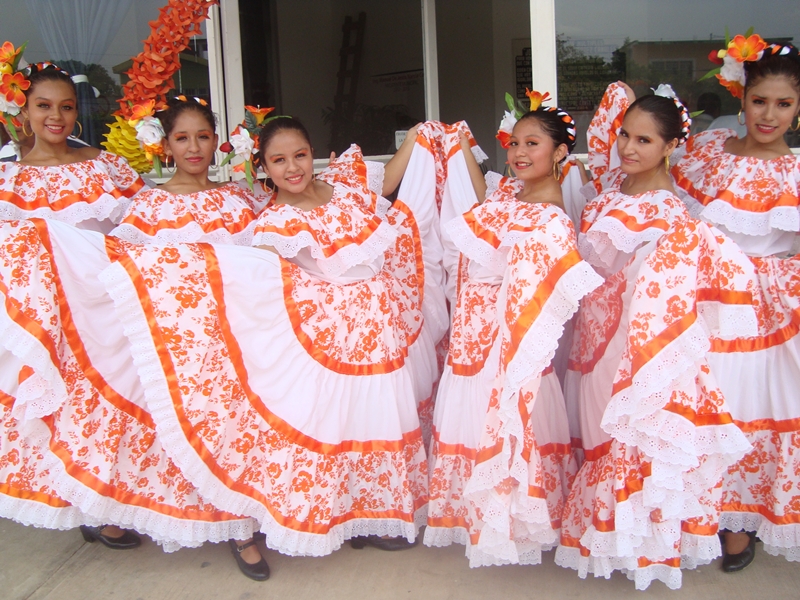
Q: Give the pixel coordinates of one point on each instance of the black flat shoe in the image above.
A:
(736, 562)
(258, 571)
(126, 541)
(390, 544)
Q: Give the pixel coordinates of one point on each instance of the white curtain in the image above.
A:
(78, 29)
(77, 33)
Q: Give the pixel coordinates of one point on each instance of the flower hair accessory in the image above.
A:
(13, 84)
(149, 131)
(516, 110)
(200, 101)
(244, 140)
(665, 91)
(749, 47)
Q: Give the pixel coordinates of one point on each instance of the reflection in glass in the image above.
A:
(645, 43)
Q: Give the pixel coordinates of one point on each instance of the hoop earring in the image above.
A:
(173, 164)
(556, 171)
(739, 117)
(80, 129)
(796, 127)
(23, 128)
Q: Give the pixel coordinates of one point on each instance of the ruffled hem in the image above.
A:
(336, 261)
(171, 532)
(279, 537)
(720, 212)
(779, 540)
(475, 247)
(37, 514)
(571, 558)
(107, 206)
(187, 234)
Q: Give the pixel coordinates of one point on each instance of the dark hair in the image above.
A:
(274, 127)
(556, 123)
(176, 107)
(664, 112)
(48, 72)
(774, 65)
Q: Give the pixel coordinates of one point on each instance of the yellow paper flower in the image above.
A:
(536, 98)
(6, 68)
(121, 140)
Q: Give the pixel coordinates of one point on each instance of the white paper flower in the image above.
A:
(149, 131)
(7, 107)
(242, 144)
(732, 70)
(508, 122)
(665, 90)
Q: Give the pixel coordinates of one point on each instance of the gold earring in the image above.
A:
(80, 129)
(739, 117)
(666, 164)
(796, 127)
(556, 171)
(23, 128)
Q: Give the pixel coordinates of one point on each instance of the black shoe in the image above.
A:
(126, 541)
(390, 544)
(258, 571)
(736, 562)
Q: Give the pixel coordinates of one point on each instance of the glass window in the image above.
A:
(351, 70)
(647, 42)
(484, 51)
(99, 45)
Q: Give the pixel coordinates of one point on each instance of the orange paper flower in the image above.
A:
(734, 87)
(536, 98)
(8, 53)
(142, 110)
(746, 49)
(259, 113)
(504, 137)
(13, 86)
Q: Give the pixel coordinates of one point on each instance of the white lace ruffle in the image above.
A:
(473, 247)
(337, 264)
(534, 354)
(439, 537)
(492, 180)
(720, 212)
(190, 233)
(779, 540)
(479, 154)
(375, 174)
(106, 207)
(607, 237)
(44, 391)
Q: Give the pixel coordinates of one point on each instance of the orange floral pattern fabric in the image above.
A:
(92, 189)
(222, 215)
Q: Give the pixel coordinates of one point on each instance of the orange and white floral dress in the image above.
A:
(223, 215)
(653, 426)
(756, 203)
(91, 194)
(501, 463)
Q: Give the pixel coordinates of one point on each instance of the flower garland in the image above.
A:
(151, 76)
(13, 84)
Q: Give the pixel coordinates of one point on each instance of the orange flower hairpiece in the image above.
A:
(737, 51)
(536, 98)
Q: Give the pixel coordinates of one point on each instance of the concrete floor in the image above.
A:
(38, 564)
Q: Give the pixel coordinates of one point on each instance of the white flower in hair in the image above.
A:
(665, 90)
(732, 70)
(7, 107)
(508, 122)
(242, 143)
(149, 131)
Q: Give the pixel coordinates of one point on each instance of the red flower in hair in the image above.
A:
(13, 87)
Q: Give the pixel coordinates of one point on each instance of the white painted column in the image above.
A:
(543, 47)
